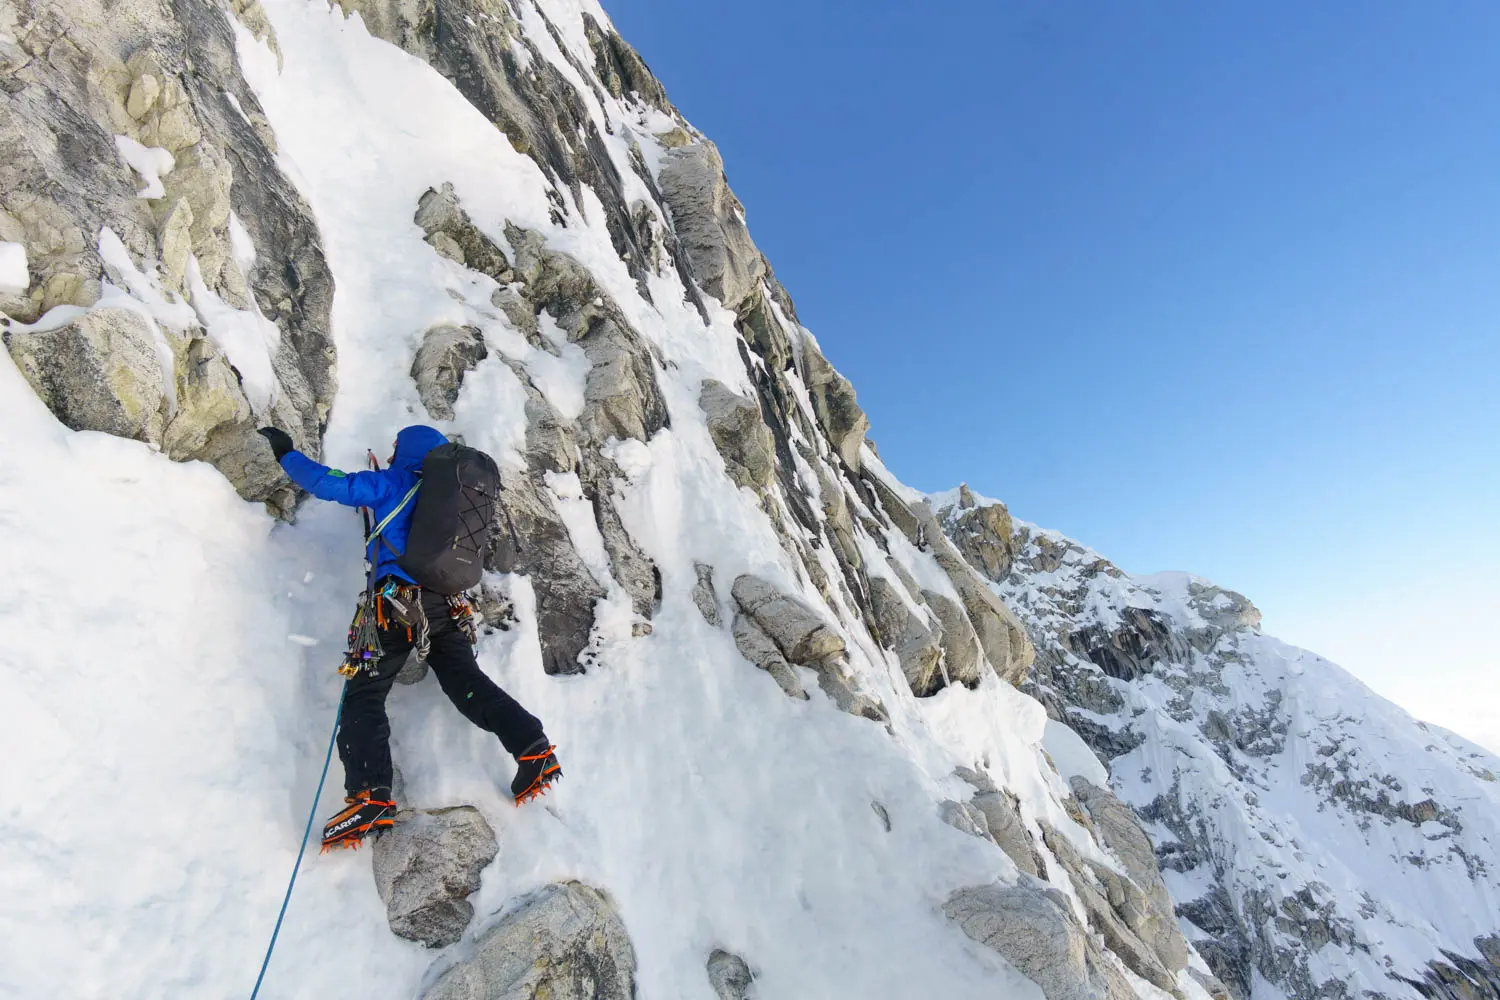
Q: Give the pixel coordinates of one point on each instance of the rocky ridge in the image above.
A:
(1298, 818)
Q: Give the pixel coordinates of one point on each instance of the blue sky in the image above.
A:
(1212, 287)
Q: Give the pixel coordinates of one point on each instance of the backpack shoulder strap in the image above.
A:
(385, 521)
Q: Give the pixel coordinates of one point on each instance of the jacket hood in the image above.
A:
(413, 444)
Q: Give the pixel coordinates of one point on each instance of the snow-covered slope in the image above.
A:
(1318, 841)
(785, 701)
(484, 215)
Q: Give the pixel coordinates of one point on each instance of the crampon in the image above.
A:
(536, 768)
(367, 812)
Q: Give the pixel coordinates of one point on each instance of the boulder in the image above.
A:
(704, 595)
(1034, 929)
(101, 372)
(759, 649)
(963, 816)
(917, 648)
(1002, 816)
(710, 223)
(800, 633)
(447, 354)
(729, 975)
(565, 942)
(740, 434)
(427, 866)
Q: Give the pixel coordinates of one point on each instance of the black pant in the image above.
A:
(365, 730)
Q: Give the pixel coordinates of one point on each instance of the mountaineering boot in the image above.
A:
(372, 810)
(536, 768)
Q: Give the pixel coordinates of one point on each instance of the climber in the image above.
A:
(408, 616)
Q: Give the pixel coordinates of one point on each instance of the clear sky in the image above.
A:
(1207, 286)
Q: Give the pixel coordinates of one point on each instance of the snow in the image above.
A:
(247, 338)
(1072, 756)
(151, 162)
(14, 276)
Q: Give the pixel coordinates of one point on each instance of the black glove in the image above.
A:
(279, 440)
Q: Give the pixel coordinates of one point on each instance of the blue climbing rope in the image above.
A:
(311, 815)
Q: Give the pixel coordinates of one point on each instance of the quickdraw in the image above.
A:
(364, 649)
(462, 613)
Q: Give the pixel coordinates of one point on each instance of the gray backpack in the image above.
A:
(450, 526)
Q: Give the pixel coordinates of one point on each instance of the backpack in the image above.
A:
(450, 526)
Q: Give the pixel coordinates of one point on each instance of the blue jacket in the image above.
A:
(381, 491)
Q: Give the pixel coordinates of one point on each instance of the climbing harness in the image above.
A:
(311, 816)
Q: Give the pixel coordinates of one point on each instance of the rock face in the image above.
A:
(139, 177)
(565, 943)
(1117, 908)
(427, 866)
(710, 223)
(1034, 929)
(919, 650)
(758, 647)
(453, 234)
(447, 354)
(1149, 912)
(729, 975)
(800, 633)
(740, 434)
(166, 82)
(101, 372)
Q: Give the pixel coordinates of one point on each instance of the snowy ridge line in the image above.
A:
(1317, 840)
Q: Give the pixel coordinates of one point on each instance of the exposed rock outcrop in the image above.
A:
(101, 372)
(1035, 930)
(710, 223)
(451, 232)
(758, 647)
(982, 534)
(740, 434)
(800, 633)
(704, 596)
(566, 942)
(1002, 820)
(835, 405)
(917, 648)
(426, 867)
(447, 354)
(167, 83)
(729, 975)
(1152, 915)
